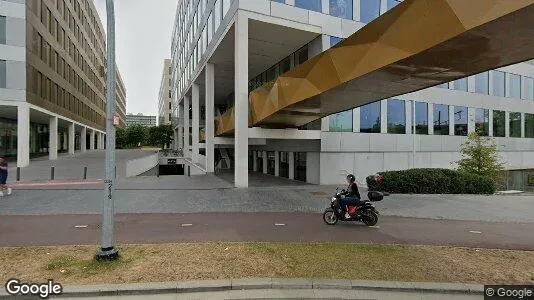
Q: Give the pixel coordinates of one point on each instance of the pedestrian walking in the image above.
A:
(3, 178)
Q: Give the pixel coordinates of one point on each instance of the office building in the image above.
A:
(140, 119)
(224, 51)
(164, 97)
(52, 79)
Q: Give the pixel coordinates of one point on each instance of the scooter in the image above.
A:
(365, 212)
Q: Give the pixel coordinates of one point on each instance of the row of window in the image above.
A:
(516, 87)
(442, 116)
(369, 9)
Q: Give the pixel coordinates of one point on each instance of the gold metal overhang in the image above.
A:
(416, 45)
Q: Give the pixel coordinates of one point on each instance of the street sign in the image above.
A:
(116, 121)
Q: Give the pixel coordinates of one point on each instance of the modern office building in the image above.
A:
(140, 119)
(164, 97)
(52, 78)
(223, 50)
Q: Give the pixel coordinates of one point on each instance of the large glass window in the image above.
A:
(515, 86)
(279, 1)
(285, 65)
(529, 125)
(396, 116)
(2, 30)
(369, 10)
(370, 118)
(460, 84)
(341, 8)
(441, 119)
(460, 120)
(482, 121)
(515, 124)
(528, 93)
(392, 3)
(421, 118)
(482, 83)
(3, 74)
(302, 55)
(499, 123)
(226, 7)
(314, 5)
(444, 85)
(498, 83)
(341, 122)
(334, 40)
(218, 15)
(210, 27)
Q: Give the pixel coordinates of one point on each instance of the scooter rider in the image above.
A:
(352, 195)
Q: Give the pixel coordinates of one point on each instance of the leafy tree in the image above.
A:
(120, 138)
(136, 135)
(479, 156)
(160, 135)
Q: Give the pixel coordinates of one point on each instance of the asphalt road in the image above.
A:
(41, 230)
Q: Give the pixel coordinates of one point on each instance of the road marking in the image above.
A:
(376, 226)
(475, 232)
(35, 184)
(81, 226)
(187, 225)
(279, 224)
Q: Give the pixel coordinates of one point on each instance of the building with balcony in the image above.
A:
(52, 79)
(222, 50)
(164, 96)
(140, 119)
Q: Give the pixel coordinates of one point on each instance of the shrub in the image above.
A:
(432, 181)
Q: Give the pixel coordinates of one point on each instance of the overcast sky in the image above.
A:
(143, 40)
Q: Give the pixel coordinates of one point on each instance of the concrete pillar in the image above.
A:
(451, 120)
(195, 126)
(71, 138)
(430, 118)
(276, 163)
(291, 161)
(186, 126)
(264, 156)
(65, 144)
(92, 140)
(23, 135)
(384, 116)
(523, 124)
(241, 100)
(255, 161)
(210, 117)
(83, 139)
(471, 120)
(52, 138)
(490, 127)
(507, 123)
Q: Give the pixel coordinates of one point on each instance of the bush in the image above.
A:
(432, 181)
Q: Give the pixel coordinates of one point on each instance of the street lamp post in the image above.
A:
(108, 250)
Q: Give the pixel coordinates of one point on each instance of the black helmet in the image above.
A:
(351, 178)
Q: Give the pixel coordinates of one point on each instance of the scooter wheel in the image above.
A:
(370, 218)
(330, 217)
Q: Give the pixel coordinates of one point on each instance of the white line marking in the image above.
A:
(475, 232)
(81, 226)
(187, 225)
(376, 226)
(279, 224)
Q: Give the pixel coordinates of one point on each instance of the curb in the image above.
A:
(262, 283)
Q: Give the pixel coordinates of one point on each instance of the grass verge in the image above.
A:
(200, 261)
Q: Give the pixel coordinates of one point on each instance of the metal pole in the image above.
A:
(413, 133)
(18, 173)
(52, 175)
(84, 173)
(108, 250)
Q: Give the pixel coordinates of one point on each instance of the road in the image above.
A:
(40, 230)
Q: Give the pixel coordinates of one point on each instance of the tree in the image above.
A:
(479, 156)
(136, 135)
(120, 138)
(160, 135)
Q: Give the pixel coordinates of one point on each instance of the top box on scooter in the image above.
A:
(375, 196)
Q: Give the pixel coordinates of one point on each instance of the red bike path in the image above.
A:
(46, 230)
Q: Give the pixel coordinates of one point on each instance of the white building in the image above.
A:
(222, 49)
(140, 119)
(164, 96)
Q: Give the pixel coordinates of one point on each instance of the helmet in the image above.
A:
(351, 178)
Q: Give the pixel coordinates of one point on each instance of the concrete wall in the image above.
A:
(139, 166)
(313, 167)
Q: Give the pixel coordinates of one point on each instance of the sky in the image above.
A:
(143, 30)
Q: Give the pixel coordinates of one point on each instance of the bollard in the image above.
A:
(188, 170)
(18, 173)
(157, 171)
(52, 169)
(84, 173)
(115, 171)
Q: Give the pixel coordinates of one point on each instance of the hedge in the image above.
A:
(432, 181)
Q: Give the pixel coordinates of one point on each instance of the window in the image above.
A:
(482, 83)
(482, 121)
(226, 7)
(314, 5)
(441, 119)
(529, 89)
(529, 125)
(369, 10)
(217, 14)
(460, 84)
(209, 27)
(341, 122)
(460, 121)
(334, 40)
(421, 118)
(392, 3)
(498, 83)
(370, 118)
(515, 124)
(279, 1)
(396, 116)
(341, 8)
(301, 55)
(444, 85)
(499, 123)
(515, 87)
(2, 30)
(3, 75)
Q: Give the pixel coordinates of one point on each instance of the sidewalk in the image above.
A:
(274, 288)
